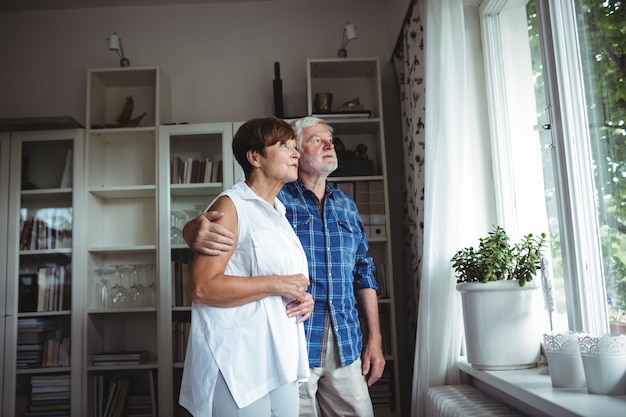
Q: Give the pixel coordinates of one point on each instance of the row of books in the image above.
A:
(180, 336)
(52, 353)
(123, 396)
(191, 170)
(116, 397)
(50, 228)
(41, 343)
(50, 396)
(181, 271)
(46, 290)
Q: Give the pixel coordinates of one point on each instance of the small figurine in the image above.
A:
(361, 152)
(125, 118)
(352, 105)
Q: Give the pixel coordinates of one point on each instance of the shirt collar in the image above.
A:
(297, 187)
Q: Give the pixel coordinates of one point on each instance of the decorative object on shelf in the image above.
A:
(115, 44)
(496, 281)
(349, 33)
(278, 92)
(352, 162)
(352, 105)
(604, 362)
(125, 118)
(323, 102)
(564, 360)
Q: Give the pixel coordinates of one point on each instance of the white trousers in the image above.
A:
(280, 402)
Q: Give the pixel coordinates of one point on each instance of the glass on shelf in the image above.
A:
(119, 292)
(103, 287)
(177, 221)
(145, 274)
(134, 291)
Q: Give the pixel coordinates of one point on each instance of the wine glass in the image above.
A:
(177, 220)
(134, 292)
(119, 294)
(146, 279)
(103, 286)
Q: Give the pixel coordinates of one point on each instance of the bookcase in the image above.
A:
(195, 165)
(40, 186)
(355, 114)
(122, 283)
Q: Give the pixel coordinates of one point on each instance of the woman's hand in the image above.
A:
(302, 307)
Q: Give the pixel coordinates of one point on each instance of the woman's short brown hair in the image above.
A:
(257, 134)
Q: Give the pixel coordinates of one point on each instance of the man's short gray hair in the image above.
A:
(307, 121)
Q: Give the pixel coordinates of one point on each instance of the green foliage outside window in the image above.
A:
(602, 38)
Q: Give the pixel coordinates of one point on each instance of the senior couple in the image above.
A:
(279, 270)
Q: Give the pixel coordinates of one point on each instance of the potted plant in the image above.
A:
(500, 301)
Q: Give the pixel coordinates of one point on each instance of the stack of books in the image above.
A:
(133, 357)
(36, 339)
(50, 396)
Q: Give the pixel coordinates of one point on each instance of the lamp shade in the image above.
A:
(350, 31)
(114, 42)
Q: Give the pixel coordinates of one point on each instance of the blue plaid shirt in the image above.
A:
(336, 248)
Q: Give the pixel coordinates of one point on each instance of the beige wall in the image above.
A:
(220, 61)
(219, 57)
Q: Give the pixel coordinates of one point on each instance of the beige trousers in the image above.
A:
(335, 391)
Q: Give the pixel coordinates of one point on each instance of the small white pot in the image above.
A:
(604, 361)
(501, 324)
(564, 360)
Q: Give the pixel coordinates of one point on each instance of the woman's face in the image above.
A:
(281, 161)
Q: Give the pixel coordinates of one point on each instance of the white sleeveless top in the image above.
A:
(256, 347)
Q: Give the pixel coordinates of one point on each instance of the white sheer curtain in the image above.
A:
(458, 185)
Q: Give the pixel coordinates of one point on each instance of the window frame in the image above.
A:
(573, 171)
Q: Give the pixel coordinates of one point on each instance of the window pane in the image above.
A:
(559, 316)
(603, 53)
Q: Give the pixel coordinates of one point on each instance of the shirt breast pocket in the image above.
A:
(350, 236)
(274, 253)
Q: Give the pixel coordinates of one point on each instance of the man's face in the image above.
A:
(317, 155)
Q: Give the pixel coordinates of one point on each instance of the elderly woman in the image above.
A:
(247, 352)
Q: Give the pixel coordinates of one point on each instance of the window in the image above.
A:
(557, 101)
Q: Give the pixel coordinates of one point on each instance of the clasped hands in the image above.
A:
(302, 304)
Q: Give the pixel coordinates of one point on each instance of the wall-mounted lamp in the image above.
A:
(115, 44)
(349, 33)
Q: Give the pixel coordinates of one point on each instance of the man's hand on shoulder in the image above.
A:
(205, 236)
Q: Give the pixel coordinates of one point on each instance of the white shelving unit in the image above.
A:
(347, 79)
(182, 198)
(40, 185)
(122, 227)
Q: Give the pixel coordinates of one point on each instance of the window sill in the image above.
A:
(530, 391)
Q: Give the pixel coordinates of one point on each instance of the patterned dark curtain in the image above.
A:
(409, 64)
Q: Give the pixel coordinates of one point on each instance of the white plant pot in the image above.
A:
(604, 361)
(501, 324)
(564, 360)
